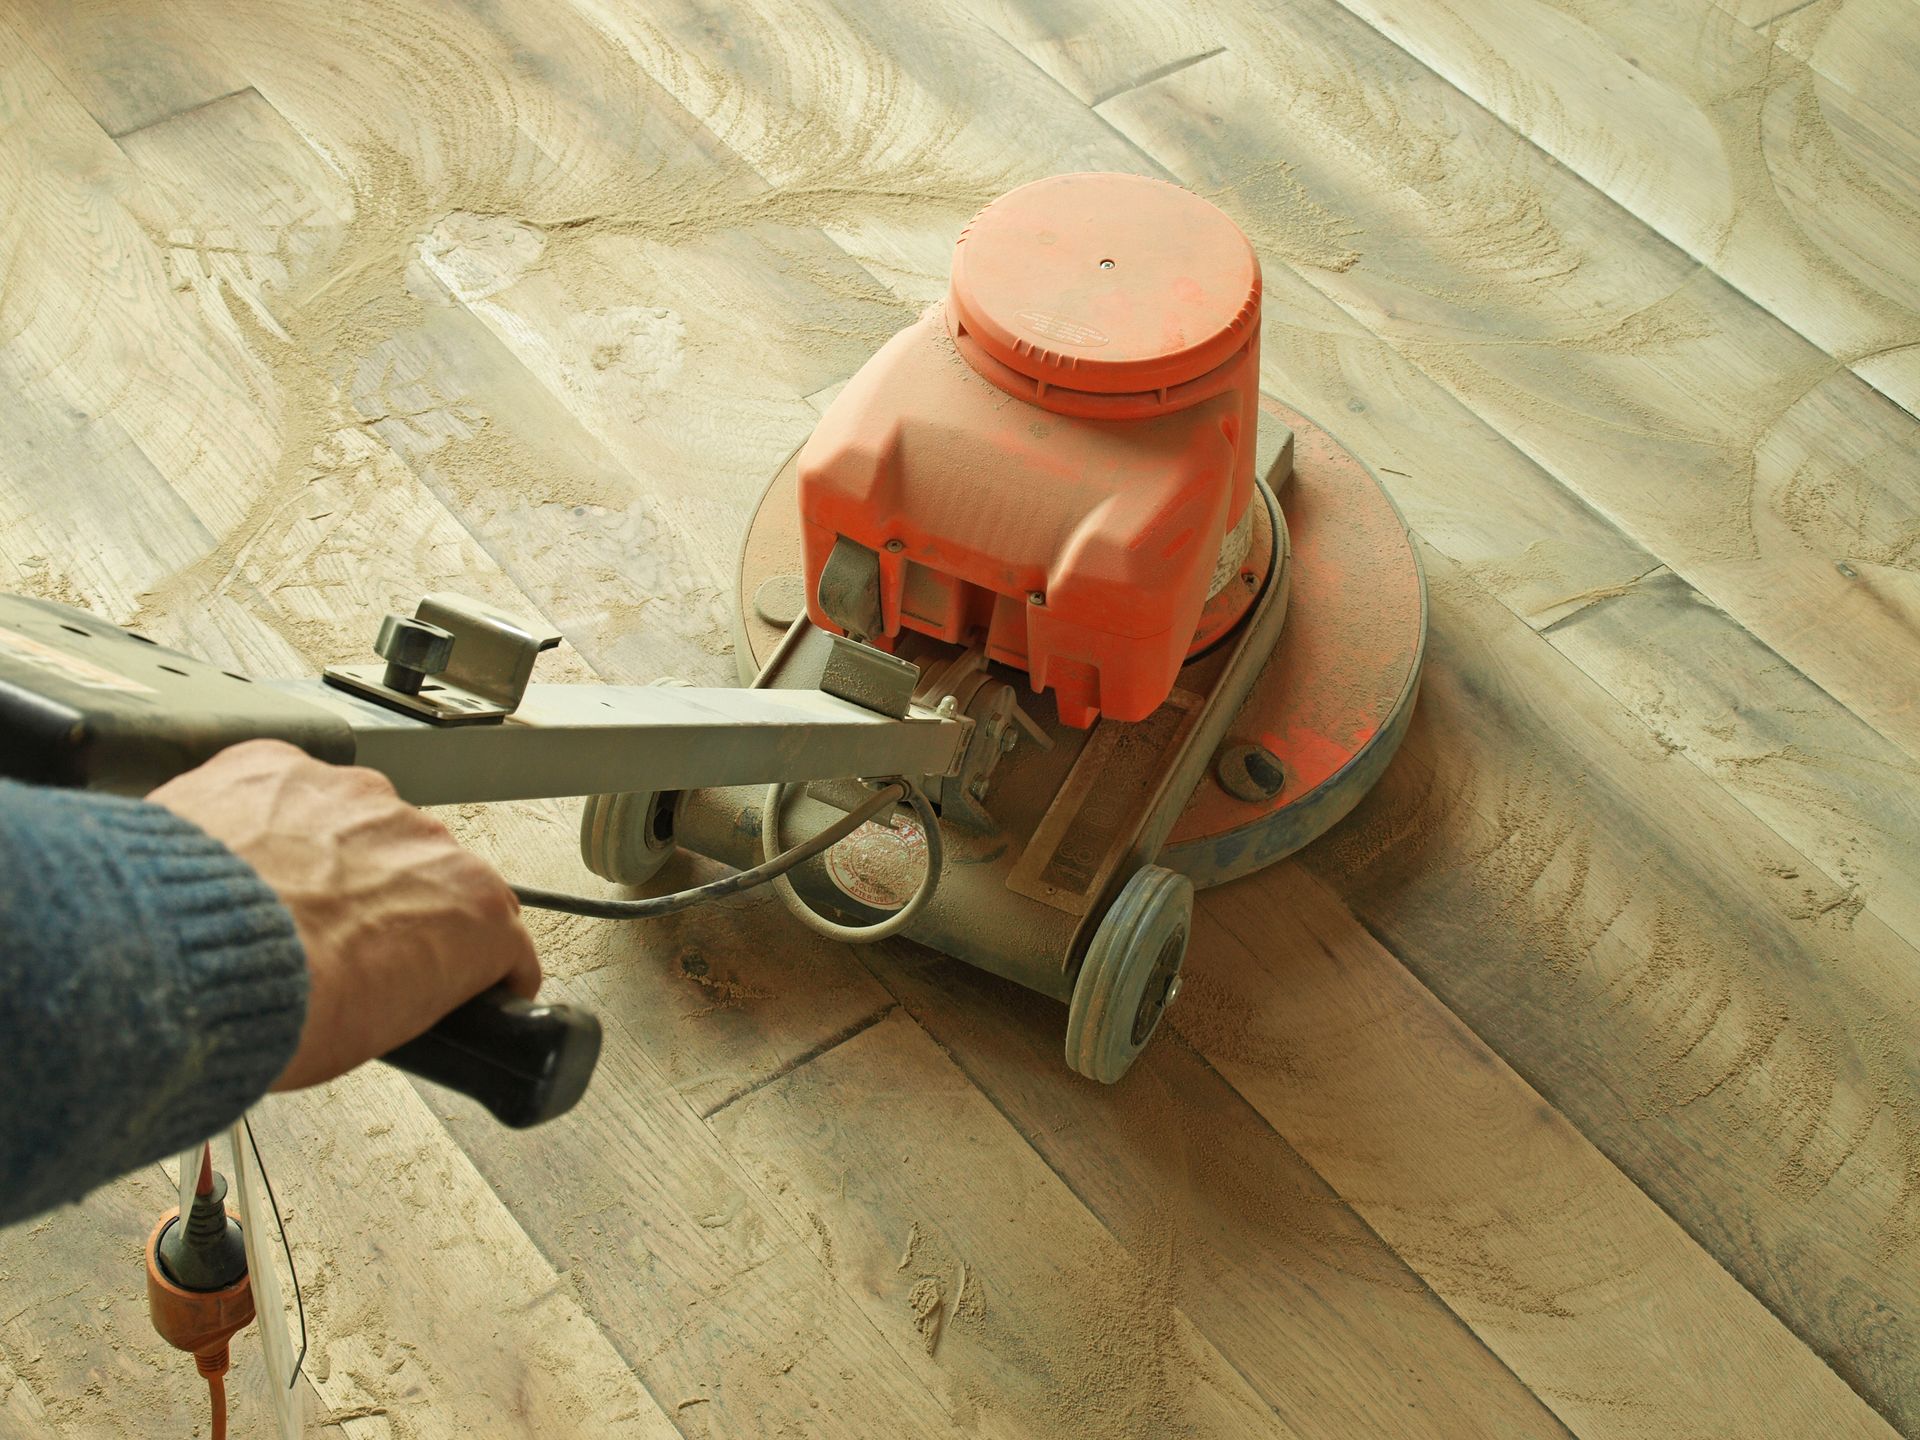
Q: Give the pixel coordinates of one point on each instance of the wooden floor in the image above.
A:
(1570, 1087)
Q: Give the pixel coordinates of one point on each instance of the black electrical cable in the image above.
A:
(892, 793)
(286, 1246)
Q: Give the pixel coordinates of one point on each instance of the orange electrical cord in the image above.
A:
(217, 1391)
(213, 1365)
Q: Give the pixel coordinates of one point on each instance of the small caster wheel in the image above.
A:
(1131, 973)
(627, 838)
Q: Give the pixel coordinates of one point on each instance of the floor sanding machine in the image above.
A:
(1054, 618)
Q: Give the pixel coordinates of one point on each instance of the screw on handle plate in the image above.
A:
(526, 1061)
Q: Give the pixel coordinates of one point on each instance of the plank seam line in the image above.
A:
(118, 135)
(1776, 19)
(805, 1057)
(1712, 1258)
(1160, 72)
(1590, 599)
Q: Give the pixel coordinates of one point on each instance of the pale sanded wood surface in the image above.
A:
(1566, 1090)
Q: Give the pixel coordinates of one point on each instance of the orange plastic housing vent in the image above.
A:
(1052, 460)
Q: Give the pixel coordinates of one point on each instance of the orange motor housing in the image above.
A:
(1056, 460)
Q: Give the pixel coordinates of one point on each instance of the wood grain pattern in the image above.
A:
(1639, 947)
(1483, 1186)
(1827, 784)
(370, 1137)
(1564, 1090)
(1032, 1314)
(1260, 1253)
(1702, 129)
(1860, 45)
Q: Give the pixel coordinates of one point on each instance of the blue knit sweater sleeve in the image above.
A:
(151, 988)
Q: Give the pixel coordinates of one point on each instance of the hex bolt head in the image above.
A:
(413, 650)
(1251, 773)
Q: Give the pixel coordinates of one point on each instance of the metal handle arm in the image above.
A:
(598, 739)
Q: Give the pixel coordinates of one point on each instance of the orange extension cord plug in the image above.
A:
(198, 1289)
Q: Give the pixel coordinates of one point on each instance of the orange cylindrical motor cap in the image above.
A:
(1105, 283)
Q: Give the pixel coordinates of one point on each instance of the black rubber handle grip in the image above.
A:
(526, 1061)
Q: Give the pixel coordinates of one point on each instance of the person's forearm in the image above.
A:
(151, 988)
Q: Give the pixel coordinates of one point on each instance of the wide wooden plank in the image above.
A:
(87, 328)
(401, 1244)
(1325, 1322)
(1699, 127)
(892, 124)
(1618, 1320)
(958, 1242)
(1862, 97)
(1866, 103)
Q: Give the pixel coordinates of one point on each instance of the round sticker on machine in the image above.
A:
(880, 865)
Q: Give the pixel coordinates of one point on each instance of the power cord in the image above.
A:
(770, 807)
(889, 794)
(286, 1248)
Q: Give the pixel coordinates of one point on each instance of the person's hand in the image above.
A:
(400, 923)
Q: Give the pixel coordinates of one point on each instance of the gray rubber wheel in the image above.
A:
(627, 838)
(1131, 973)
